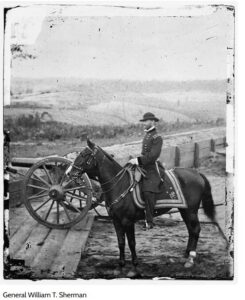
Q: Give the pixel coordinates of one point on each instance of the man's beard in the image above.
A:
(148, 126)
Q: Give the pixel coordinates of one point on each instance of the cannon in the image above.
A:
(53, 198)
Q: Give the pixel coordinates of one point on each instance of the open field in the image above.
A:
(80, 102)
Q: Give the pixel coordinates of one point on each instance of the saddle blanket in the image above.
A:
(171, 196)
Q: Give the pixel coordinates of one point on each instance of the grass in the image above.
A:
(118, 102)
(33, 127)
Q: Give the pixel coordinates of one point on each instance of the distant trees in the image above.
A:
(34, 127)
(19, 51)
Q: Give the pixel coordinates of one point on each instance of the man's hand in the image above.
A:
(134, 161)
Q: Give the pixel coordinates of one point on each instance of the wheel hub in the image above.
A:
(56, 193)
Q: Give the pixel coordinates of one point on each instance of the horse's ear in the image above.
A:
(90, 144)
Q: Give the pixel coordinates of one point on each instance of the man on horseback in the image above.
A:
(151, 150)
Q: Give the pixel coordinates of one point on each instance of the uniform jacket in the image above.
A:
(151, 150)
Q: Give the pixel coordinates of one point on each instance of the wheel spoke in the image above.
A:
(73, 206)
(76, 196)
(63, 177)
(42, 205)
(80, 201)
(71, 198)
(38, 187)
(47, 173)
(51, 206)
(55, 173)
(41, 179)
(38, 195)
(68, 184)
(58, 212)
(65, 209)
(75, 188)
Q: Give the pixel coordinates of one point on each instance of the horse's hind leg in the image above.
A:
(193, 225)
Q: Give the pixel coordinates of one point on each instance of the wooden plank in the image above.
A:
(204, 148)
(212, 145)
(17, 217)
(167, 157)
(204, 152)
(33, 244)
(219, 142)
(20, 236)
(73, 245)
(196, 156)
(27, 225)
(187, 159)
(221, 151)
(205, 144)
(187, 148)
(177, 157)
(53, 243)
(187, 162)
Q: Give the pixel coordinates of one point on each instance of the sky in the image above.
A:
(127, 47)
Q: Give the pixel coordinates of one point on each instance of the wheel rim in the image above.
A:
(52, 198)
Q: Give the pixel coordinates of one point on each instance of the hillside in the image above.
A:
(83, 102)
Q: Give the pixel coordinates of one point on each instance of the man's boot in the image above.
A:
(149, 199)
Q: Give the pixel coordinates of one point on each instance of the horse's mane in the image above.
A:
(109, 157)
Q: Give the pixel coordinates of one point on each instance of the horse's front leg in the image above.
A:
(121, 240)
(130, 232)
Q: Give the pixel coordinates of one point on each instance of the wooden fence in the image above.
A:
(186, 155)
(189, 155)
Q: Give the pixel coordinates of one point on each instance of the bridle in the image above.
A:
(93, 157)
(88, 162)
(118, 176)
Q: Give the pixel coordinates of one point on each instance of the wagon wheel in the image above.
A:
(52, 198)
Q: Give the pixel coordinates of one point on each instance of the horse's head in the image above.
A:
(86, 162)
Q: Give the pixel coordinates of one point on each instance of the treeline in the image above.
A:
(110, 87)
(32, 127)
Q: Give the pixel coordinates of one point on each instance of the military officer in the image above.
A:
(151, 150)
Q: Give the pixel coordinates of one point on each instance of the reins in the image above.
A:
(120, 174)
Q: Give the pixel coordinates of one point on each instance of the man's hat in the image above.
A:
(149, 116)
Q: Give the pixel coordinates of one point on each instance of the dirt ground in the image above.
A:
(160, 252)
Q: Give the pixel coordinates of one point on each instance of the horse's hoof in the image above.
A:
(117, 272)
(135, 262)
(121, 263)
(189, 264)
(132, 274)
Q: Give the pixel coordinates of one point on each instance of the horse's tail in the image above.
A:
(207, 199)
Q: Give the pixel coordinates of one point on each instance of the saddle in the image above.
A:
(171, 196)
(138, 172)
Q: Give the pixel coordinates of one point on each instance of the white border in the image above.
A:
(168, 289)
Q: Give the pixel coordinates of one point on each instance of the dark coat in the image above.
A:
(151, 150)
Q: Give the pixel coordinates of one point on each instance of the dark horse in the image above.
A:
(115, 185)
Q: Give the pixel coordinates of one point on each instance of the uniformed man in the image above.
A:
(151, 150)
